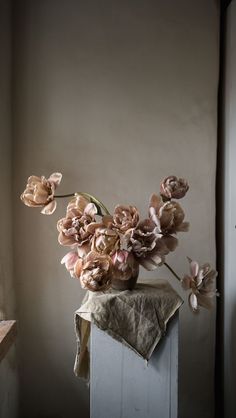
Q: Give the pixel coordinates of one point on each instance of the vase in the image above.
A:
(129, 284)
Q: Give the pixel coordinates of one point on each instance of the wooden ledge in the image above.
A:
(7, 336)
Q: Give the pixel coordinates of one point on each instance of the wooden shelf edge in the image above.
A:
(8, 331)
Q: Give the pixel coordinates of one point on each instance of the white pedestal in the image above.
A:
(124, 386)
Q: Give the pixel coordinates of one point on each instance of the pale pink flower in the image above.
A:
(168, 216)
(73, 229)
(201, 283)
(172, 187)
(94, 271)
(125, 218)
(40, 192)
(105, 240)
(70, 260)
(149, 246)
(125, 265)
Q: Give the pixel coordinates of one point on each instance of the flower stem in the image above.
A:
(96, 201)
(64, 195)
(173, 272)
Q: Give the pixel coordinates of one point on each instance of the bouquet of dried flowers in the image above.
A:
(107, 249)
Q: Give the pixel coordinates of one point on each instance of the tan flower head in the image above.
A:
(201, 283)
(105, 240)
(40, 192)
(168, 216)
(125, 218)
(172, 187)
(125, 265)
(146, 245)
(94, 271)
(73, 229)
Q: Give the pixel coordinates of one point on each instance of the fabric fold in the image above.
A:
(136, 318)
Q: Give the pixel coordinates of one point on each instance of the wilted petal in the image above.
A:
(155, 201)
(90, 210)
(83, 250)
(49, 208)
(153, 216)
(33, 180)
(148, 264)
(107, 221)
(170, 242)
(186, 282)
(193, 302)
(194, 268)
(55, 178)
(40, 194)
(78, 267)
(66, 240)
(152, 260)
(70, 259)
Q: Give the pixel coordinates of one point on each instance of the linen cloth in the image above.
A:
(136, 318)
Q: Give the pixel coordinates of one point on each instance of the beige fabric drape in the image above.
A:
(136, 318)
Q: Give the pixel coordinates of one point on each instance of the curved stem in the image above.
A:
(96, 201)
(173, 272)
(88, 196)
(64, 195)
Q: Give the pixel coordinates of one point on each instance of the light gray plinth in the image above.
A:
(123, 385)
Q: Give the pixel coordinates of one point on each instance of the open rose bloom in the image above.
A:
(40, 192)
(106, 248)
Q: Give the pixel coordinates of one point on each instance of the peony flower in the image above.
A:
(125, 265)
(40, 192)
(73, 229)
(201, 282)
(172, 187)
(94, 271)
(147, 244)
(105, 240)
(168, 216)
(125, 218)
(70, 260)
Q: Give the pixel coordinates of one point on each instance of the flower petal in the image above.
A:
(170, 242)
(49, 208)
(193, 302)
(70, 259)
(55, 178)
(90, 210)
(186, 282)
(194, 268)
(155, 201)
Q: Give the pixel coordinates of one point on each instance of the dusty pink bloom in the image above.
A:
(105, 240)
(201, 283)
(149, 246)
(125, 265)
(125, 218)
(70, 260)
(94, 271)
(40, 192)
(172, 187)
(73, 229)
(168, 216)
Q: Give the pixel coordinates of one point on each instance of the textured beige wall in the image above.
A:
(115, 95)
(8, 373)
